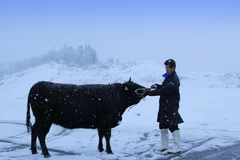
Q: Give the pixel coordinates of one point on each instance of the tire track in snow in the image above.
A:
(15, 123)
(16, 146)
(61, 133)
(149, 153)
(184, 152)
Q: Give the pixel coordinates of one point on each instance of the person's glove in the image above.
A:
(154, 86)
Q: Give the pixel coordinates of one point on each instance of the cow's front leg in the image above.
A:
(107, 137)
(100, 144)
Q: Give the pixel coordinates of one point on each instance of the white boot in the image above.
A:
(176, 138)
(164, 139)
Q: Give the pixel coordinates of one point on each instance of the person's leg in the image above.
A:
(176, 138)
(164, 137)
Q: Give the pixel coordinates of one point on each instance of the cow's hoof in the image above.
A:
(47, 156)
(100, 149)
(109, 152)
(34, 151)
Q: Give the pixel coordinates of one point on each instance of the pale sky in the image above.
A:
(201, 35)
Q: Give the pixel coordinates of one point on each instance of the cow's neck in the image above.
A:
(122, 111)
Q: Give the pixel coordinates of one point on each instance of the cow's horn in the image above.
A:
(129, 79)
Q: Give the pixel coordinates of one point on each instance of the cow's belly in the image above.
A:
(91, 116)
(75, 118)
(76, 121)
(88, 121)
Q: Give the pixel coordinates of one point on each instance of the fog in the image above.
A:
(200, 36)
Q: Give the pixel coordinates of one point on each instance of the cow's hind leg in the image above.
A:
(100, 144)
(107, 134)
(35, 129)
(42, 133)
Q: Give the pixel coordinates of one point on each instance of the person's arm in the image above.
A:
(171, 86)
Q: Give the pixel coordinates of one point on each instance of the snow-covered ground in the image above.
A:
(209, 106)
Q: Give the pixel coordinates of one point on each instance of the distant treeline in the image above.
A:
(79, 57)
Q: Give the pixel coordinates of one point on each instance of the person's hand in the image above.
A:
(154, 86)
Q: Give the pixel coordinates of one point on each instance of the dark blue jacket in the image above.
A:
(169, 100)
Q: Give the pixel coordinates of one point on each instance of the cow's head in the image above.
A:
(130, 95)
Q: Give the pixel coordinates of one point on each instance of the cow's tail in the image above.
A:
(28, 122)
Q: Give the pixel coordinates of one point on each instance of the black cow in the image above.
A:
(94, 106)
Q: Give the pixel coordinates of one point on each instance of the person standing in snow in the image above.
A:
(168, 115)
